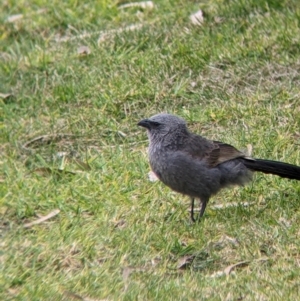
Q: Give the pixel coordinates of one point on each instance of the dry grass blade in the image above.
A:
(233, 204)
(18, 17)
(46, 172)
(82, 165)
(103, 35)
(45, 139)
(230, 268)
(70, 296)
(142, 4)
(5, 95)
(109, 33)
(42, 219)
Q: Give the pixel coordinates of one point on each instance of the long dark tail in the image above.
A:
(280, 169)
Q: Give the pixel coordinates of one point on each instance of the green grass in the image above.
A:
(119, 236)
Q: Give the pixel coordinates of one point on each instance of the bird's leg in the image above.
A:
(203, 206)
(192, 209)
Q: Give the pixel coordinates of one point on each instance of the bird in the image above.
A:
(198, 167)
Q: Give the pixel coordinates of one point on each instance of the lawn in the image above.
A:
(76, 77)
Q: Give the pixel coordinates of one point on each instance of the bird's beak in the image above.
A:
(145, 123)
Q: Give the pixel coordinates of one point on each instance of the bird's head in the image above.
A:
(161, 125)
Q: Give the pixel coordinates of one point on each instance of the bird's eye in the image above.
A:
(155, 124)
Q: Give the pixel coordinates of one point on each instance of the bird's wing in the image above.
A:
(222, 152)
(214, 152)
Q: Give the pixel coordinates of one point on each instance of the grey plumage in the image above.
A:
(197, 167)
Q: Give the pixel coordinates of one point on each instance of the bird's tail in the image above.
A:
(280, 169)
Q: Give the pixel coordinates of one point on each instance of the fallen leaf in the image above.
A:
(14, 18)
(83, 50)
(185, 262)
(197, 18)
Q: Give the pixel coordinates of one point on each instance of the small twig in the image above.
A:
(45, 139)
(42, 219)
(102, 34)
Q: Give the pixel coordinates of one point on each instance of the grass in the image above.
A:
(119, 236)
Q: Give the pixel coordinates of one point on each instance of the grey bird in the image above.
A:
(195, 166)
